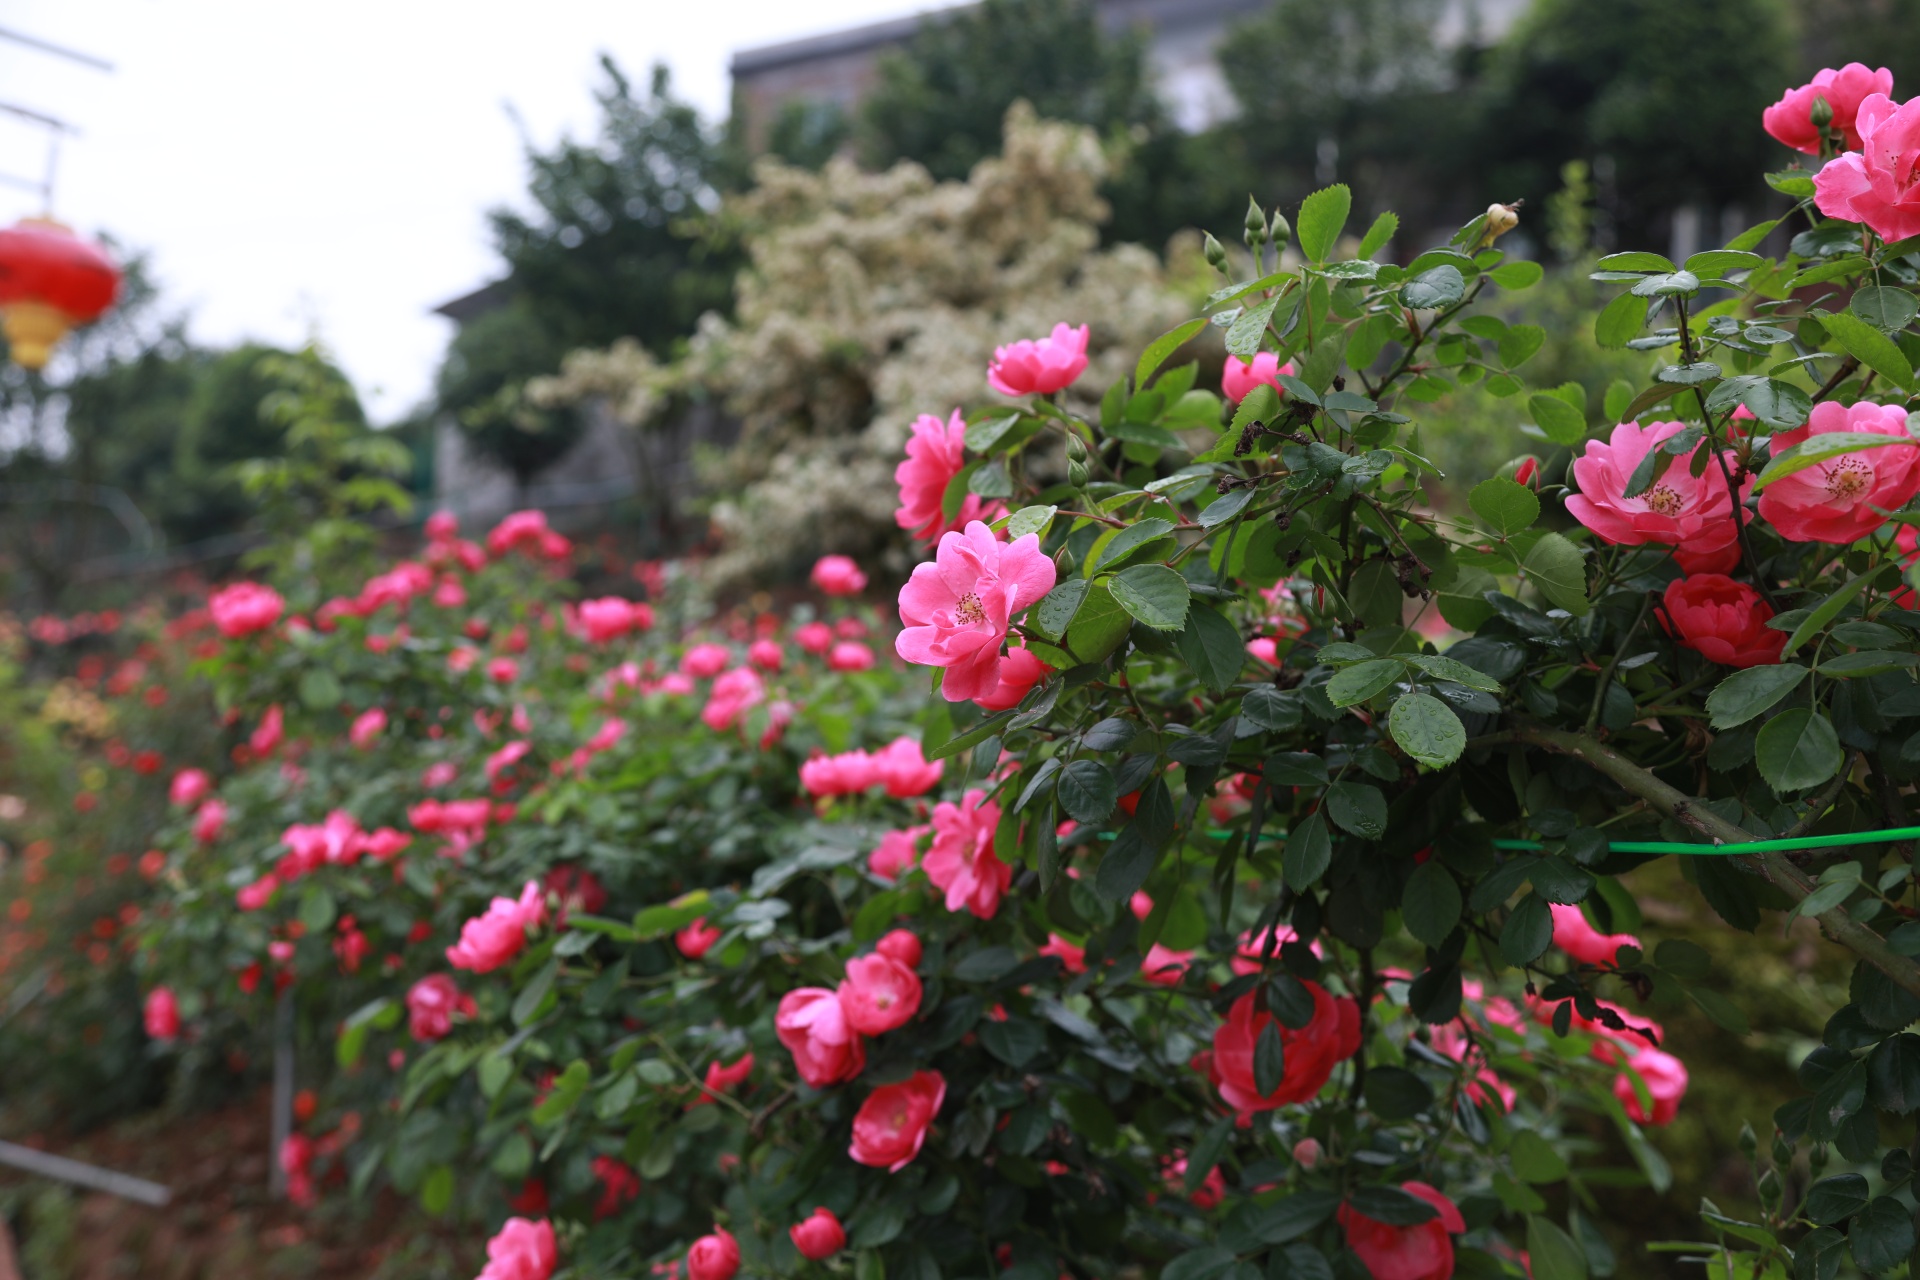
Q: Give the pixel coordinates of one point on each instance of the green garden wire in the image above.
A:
(1682, 847)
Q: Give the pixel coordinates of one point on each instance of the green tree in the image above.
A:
(482, 383)
(1880, 33)
(1640, 83)
(943, 99)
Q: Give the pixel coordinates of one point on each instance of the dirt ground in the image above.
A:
(221, 1224)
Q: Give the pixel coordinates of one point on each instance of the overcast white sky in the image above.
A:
(324, 169)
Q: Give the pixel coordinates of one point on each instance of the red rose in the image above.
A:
(1310, 1052)
(819, 1237)
(893, 1121)
(1422, 1251)
(1723, 620)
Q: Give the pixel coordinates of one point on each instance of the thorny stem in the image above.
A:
(1613, 661)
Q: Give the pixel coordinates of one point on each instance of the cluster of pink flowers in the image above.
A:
(461, 823)
(432, 1005)
(825, 1029)
(611, 617)
(899, 766)
(527, 531)
(338, 841)
(491, 940)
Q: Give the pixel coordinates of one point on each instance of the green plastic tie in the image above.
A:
(1742, 846)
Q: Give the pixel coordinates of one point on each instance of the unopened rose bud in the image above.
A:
(1077, 474)
(1817, 1158)
(1306, 1153)
(1501, 218)
(1216, 254)
(1256, 224)
(1749, 1142)
(1822, 112)
(1528, 472)
(1076, 448)
(1281, 231)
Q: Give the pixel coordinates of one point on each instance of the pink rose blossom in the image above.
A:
(1791, 119)
(812, 1025)
(1666, 1080)
(1874, 184)
(1680, 509)
(505, 758)
(443, 526)
(270, 732)
(838, 576)
(713, 1257)
(162, 1014)
(897, 853)
(814, 637)
(1040, 367)
(449, 594)
(892, 1123)
(904, 770)
(1417, 1251)
(521, 1250)
(767, 655)
(936, 451)
(732, 694)
(957, 610)
(336, 842)
(209, 821)
(1843, 499)
(432, 1004)
(367, 728)
(244, 608)
(1165, 967)
(704, 661)
(439, 774)
(611, 617)
(1239, 377)
(902, 945)
(1072, 958)
(252, 897)
(879, 994)
(846, 774)
(1573, 934)
(522, 530)
(1020, 670)
(491, 940)
(818, 1237)
(384, 843)
(696, 939)
(850, 656)
(962, 862)
(1722, 620)
(189, 787)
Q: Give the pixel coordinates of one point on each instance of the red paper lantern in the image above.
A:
(50, 281)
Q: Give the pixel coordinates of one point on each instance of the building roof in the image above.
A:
(469, 306)
(766, 57)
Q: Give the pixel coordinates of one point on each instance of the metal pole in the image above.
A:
(282, 1124)
(81, 1174)
(58, 51)
(9, 1260)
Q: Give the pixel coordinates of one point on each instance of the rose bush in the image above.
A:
(1231, 884)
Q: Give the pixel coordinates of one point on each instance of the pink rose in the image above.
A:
(1722, 620)
(1666, 1079)
(521, 1250)
(1872, 185)
(1422, 1251)
(957, 609)
(384, 843)
(696, 939)
(189, 787)
(1310, 1052)
(1239, 377)
(505, 758)
(1165, 967)
(904, 771)
(244, 608)
(732, 694)
(897, 852)
(1681, 509)
(1574, 935)
(902, 945)
(442, 526)
(520, 530)
(1020, 670)
(705, 661)
(1254, 949)
(850, 656)
(813, 1026)
(936, 451)
(1791, 119)
(1842, 500)
(767, 655)
(814, 637)
(818, 1237)
(893, 1121)
(879, 994)
(961, 861)
(1072, 958)
(367, 728)
(1038, 368)
(846, 774)
(162, 1014)
(252, 897)
(432, 1003)
(1307, 1153)
(838, 576)
(611, 617)
(338, 841)
(271, 731)
(713, 1257)
(491, 940)
(209, 821)
(503, 670)
(722, 1079)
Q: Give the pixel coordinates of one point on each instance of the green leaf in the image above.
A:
(1882, 1236)
(983, 436)
(1209, 1262)
(1557, 568)
(320, 689)
(1796, 750)
(1560, 421)
(1817, 449)
(1776, 403)
(1437, 287)
(1224, 508)
(1620, 321)
(1528, 931)
(1161, 347)
(1534, 1160)
(1884, 307)
(1797, 183)
(1247, 331)
(1504, 506)
(1745, 694)
(1269, 1060)
(1323, 215)
(1359, 808)
(1869, 346)
(1308, 852)
(1015, 1042)
(1430, 906)
(1552, 1254)
(1391, 1205)
(1519, 274)
(527, 1004)
(1087, 791)
(1153, 594)
(955, 495)
(657, 922)
(1358, 683)
(1837, 1198)
(1026, 520)
(973, 737)
(1293, 1216)
(1378, 234)
(1427, 729)
(1129, 860)
(1101, 626)
(1634, 260)
(1717, 262)
(1057, 608)
(1443, 668)
(1519, 343)
(436, 1192)
(1117, 544)
(1212, 648)
(1395, 1093)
